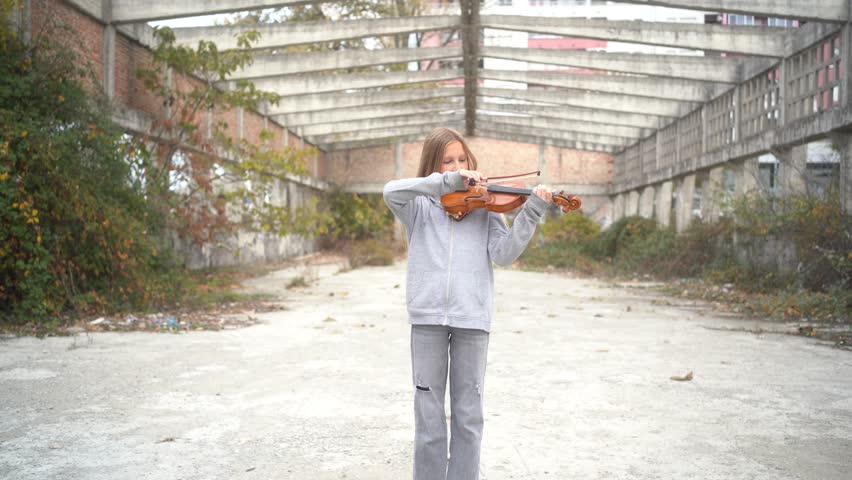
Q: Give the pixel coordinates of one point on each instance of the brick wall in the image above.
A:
(67, 25)
(495, 157)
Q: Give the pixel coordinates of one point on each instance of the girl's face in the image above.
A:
(454, 158)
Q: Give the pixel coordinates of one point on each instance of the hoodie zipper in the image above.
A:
(449, 272)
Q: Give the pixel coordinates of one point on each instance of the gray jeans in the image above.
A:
(434, 348)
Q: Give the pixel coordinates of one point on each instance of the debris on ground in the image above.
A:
(684, 378)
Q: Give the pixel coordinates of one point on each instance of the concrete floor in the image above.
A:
(578, 387)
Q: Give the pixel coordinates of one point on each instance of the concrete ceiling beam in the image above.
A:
(669, 89)
(367, 112)
(296, 63)
(497, 132)
(279, 35)
(379, 123)
(547, 124)
(587, 115)
(378, 142)
(333, 101)
(319, 83)
(709, 69)
(542, 129)
(382, 133)
(132, 11)
(821, 10)
(769, 42)
(600, 101)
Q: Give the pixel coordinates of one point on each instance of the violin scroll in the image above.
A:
(566, 202)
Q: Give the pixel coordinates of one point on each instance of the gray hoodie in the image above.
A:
(450, 278)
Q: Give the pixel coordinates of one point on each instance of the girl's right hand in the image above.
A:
(472, 174)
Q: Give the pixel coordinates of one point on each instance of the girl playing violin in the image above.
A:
(449, 293)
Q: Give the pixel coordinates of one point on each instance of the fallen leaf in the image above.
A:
(685, 378)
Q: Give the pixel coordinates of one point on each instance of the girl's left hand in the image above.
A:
(543, 192)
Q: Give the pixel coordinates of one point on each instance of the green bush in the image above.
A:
(572, 227)
(75, 231)
(369, 252)
(817, 229)
(357, 216)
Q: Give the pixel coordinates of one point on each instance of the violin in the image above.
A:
(498, 198)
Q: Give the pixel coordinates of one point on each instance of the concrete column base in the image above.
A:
(683, 215)
(632, 207)
(747, 178)
(646, 202)
(618, 207)
(711, 203)
(794, 162)
(664, 203)
(843, 143)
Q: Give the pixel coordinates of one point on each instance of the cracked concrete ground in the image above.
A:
(578, 387)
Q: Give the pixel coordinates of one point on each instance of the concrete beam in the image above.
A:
(769, 42)
(503, 125)
(381, 133)
(587, 115)
(378, 142)
(667, 89)
(499, 133)
(822, 10)
(602, 101)
(287, 34)
(367, 112)
(709, 69)
(546, 124)
(295, 63)
(130, 11)
(334, 101)
(380, 123)
(318, 83)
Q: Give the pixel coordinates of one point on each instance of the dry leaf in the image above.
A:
(684, 378)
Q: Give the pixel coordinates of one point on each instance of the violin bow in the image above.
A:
(504, 178)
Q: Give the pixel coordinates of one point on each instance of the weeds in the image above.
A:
(785, 259)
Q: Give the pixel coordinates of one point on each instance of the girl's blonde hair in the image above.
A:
(434, 147)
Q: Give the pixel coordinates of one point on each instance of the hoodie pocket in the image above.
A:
(424, 293)
(468, 297)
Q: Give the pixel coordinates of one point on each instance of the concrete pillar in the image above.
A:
(792, 179)
(738, 113)
(109, 49)
(845, 58)
(208, 124)
(711, 203)
(240, 123)
(746, 176)
(664, 203)
(397, 156)
(618, 207)
(632, 207)
(21, 18)
(646, 202)
(398, 228)
(262, 109)
(683, 216)
(843, 143)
